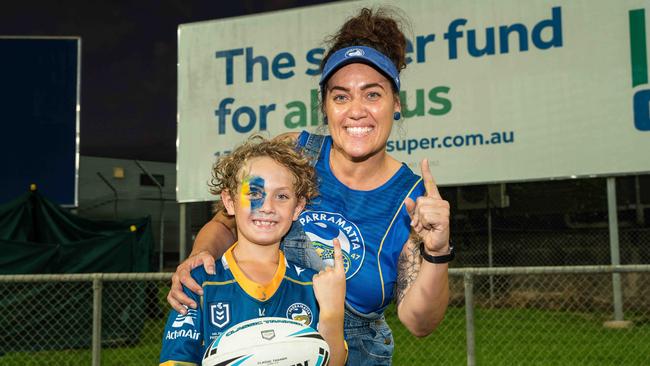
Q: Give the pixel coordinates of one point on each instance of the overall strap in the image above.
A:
(313, 146)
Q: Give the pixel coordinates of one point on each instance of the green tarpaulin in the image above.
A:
(37, 236)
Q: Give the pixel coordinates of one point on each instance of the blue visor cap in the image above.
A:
(362, 54)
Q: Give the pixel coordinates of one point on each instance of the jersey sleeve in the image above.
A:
(182, 342)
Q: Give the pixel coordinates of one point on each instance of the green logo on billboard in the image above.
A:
(639, 59)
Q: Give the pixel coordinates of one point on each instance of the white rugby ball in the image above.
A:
(268, 342)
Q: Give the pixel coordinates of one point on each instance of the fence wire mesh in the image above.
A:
(36, 328)
(549, 223)
(519, 317)
(558, 247)
(538, 319)
(51, 323)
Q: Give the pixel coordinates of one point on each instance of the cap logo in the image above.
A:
(355, 52)
(365, 54)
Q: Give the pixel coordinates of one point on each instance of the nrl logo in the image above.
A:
(220, 314)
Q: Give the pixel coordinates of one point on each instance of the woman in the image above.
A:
(386, 217)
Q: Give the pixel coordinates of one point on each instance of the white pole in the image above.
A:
(612, 213)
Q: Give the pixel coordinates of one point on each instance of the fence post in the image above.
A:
(469, 318)
(612, 212)
(97, 319)
(182, 232)
(490, 252)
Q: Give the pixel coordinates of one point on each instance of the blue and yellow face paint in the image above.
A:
(252, 192)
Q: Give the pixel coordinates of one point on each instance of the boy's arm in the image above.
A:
(183, 337)
(214, 238)
(329, 288)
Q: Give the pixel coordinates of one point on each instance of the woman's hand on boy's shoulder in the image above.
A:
(214, 238)
(329, 286)
(183, 277)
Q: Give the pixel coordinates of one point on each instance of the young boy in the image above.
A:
(265, 184)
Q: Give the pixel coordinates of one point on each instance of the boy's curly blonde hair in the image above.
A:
(226, 171)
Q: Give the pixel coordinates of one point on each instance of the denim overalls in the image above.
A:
(369, 338)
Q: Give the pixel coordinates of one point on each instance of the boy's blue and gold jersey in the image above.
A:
(229, 297)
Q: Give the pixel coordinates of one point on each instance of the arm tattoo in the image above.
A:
(408, 267)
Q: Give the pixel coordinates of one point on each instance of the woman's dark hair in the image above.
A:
(380, 29)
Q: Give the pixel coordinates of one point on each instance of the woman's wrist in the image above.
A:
(444, 255)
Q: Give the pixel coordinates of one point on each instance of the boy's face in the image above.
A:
(265, 203)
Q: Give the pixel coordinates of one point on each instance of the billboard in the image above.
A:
(495, 91)
(39, 99)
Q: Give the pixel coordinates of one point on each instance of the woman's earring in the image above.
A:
(324, 120)
(397, 116)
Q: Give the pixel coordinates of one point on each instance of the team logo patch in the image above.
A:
(219, 313)
(188, 318)
(301, 313)
(323, 227)
(354, 52)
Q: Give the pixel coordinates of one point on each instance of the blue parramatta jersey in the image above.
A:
(372, 227)
(229, 297)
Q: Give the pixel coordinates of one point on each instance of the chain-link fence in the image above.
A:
(522, 315)
(82, 319)
(536, 316)
(558, 247)
(549, 223)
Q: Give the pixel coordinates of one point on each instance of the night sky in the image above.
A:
(128, 70)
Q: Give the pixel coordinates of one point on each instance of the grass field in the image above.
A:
(526, 337)
(503, 337)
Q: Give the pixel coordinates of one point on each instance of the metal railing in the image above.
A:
(469, 274)
(525, 315)
(49, 347)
